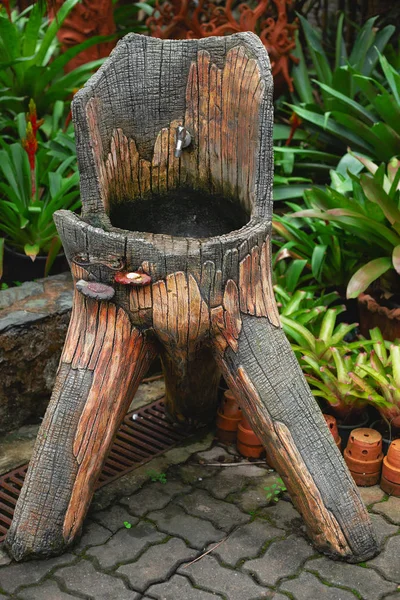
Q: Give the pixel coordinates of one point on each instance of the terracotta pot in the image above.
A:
(363, 456)
(355, 421)
(248, 444)
(228, 418)
(390, 482)
(372, 314)
(332, 426)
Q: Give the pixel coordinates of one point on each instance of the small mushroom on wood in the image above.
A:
(132, 278)
(95, 290)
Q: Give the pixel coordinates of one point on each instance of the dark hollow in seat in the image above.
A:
(182, 212)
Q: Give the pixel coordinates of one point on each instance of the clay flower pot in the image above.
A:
(373, 314)
(248, 444)
(364, 456)
(390, 482)
(228, 418)
(332, 426)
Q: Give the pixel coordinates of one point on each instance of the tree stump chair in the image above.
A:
(171, 255)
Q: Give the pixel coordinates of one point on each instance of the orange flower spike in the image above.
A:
(30, 144)
(295, 123)
(32, 117)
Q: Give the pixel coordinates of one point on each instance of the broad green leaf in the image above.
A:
(301, 79)
(367, 275)
(381, 39)
(52, 30)
(362, 44)
(318, 55)
(31, 33)
(354, 107)
(340, 50)
(375, 193)
(318, 261)
(32, 250)
(396, 258)
(1, 256)
(392, 77)
(55, 247)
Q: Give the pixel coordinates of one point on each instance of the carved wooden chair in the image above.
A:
(171, 256)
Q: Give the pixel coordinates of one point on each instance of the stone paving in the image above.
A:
(144, 545)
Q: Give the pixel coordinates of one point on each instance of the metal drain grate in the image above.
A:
(143, 434)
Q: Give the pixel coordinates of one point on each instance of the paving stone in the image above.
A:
(366, 582)
(390, 509)
(283, 514)
(93, 535)
(388, 561)
(114, 518)
(234, 585)
(280, 560)
(84, 579)
(126, 544)
(153, 496)
(214, 455)
(222, 514)
(232, 479)
(178, 587)
(157, 563)
(246, 541)
(308, 587)
(251, 499)
(372, 494)
(4, 558)
(382, 528)
(175, 521)
(194, 473)
(17, 574)
(49, 590)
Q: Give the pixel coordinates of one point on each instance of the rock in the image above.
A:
(33, 323)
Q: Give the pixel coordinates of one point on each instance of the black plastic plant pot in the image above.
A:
(387, 435)
(19, 267)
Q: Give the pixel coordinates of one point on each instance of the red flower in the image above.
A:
(30, 145)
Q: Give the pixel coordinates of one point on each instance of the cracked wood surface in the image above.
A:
(210, 304)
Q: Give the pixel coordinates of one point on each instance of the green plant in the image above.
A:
(156, 476)
(30, 63)
(35, 184)
(127, 525)
(379, 378)
(354, 99)
(275, 490)
(368, 217)
(303, 306)
(296, 167)
(323, 258)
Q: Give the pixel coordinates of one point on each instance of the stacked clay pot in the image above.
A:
(332, 426)
(390, 482)
(228, 418)
(363, 456)
(248, 444)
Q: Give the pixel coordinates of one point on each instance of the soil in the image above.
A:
(181, 213)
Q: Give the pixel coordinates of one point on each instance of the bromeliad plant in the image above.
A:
(30, 63)
(354, 102)
(368, 216)
(310, 252)
(35, 184)
(378, 379)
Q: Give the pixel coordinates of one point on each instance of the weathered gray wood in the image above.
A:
(209, 303)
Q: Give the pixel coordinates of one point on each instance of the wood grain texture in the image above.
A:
(268, 383)
(83, 416)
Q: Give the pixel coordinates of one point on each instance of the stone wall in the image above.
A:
(33, 323)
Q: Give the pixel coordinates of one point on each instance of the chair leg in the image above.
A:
(263, 372)
(103, 361)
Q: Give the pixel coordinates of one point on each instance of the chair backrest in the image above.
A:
(126, 116)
